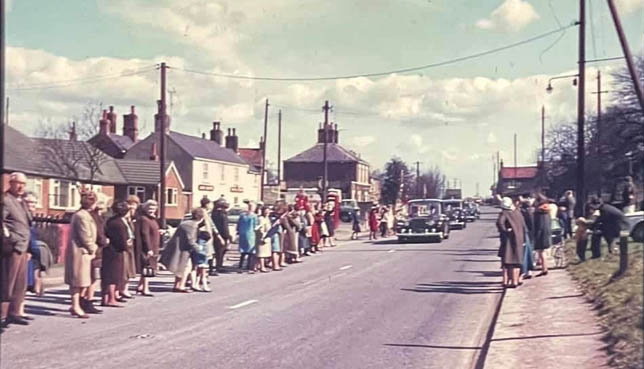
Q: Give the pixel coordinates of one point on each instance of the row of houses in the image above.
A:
(210, 166)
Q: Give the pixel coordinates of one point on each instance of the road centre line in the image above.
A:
(245, 303)
(346, 267)
(390, 251)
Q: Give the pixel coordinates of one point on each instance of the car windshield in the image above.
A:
(423, 208)
(453, 204)
(235, 211)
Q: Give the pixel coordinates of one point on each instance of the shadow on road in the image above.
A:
(433, 346)
(545, 336)
(485, 273)
(458, 287)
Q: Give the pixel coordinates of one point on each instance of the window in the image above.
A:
(236, 175)
(35, 185)
(63, 193)
(223, 172)
(205, 171)
(137, 191)
(171, 196)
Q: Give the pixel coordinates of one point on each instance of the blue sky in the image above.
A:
(454, 116)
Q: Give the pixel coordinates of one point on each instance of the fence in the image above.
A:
(54, 231)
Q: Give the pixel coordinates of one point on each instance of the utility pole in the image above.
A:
(581, 90)
(599, 125)
(162, 138)
(6, 113)
(2, 92)
(543, 135)
(279, 152)
(261, 189)
(417, 178)
(627, 53)
(515, 155)
(326, 108)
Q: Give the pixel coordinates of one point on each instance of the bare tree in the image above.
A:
(432, 183)
(65, 149)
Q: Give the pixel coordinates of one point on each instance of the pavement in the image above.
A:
(547, 324)
(360, 305)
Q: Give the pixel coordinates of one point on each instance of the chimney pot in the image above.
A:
(132, 109)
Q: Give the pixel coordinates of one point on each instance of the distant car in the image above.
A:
(425, 221)
(453, 208)
(347, 208)
(471, 211)
(636, 225)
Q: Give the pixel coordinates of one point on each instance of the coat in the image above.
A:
(611, 221)
(176, 254)
(290, 225)
(81, 249)
(101, 239)
(262, 239)
(150, 240)
(510, 225)
(542, 229)
(373, 221)
(113, 262)
(246, 226)
(220, 219)
(17, 221)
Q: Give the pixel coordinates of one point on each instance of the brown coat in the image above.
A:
(149, 239)
(290, 224)
(510, 225)
(81, 249)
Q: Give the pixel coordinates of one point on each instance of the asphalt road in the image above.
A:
(359, 305)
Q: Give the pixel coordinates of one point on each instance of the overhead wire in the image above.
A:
(379, 74)
(563, 32)
(592, 28)
(78, 81)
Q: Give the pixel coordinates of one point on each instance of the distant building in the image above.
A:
(346, 170)
(518, 180)
(111, 143)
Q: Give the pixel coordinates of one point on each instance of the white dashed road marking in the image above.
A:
(245, 303)
(346, 267)
(390, 251)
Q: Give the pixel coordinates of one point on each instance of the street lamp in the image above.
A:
(574, 81)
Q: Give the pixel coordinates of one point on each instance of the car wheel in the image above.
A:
(638, 233)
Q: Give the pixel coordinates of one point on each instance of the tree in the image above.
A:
(397, 180)
(66, 151)
(432, 183)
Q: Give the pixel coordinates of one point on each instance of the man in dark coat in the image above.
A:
(610, 222)
(511, 230)
(14, 256)
(220, 219)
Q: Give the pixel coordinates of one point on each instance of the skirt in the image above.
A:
(276, 245)
(264, 248)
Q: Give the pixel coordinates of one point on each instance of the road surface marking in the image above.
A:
(346, 267)
(245, 303)
(390, 251)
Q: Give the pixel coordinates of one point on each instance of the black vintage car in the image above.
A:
(453, 208)
(425, 221)
(471, 211)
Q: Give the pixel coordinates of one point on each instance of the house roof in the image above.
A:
(252, 156)
(335, 154)
(140, 171)
(198, 147)
(122, 142)
(519, 172)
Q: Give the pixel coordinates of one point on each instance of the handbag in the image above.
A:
(147, 269)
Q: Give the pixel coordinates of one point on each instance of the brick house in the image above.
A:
(109, 141)
(518, 180)
(346, 170)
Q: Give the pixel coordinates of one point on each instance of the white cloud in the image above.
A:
(512, 15)
(491, 138)
(629, 6)
(362, 141)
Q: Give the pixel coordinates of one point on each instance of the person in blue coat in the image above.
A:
(246, 226)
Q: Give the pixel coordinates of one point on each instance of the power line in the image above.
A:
(378, 74)
(592, 28)
(79, 81)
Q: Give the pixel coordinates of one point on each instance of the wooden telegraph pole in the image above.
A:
(581, 89)
(261, 191)
(325, 176)
(162, 138)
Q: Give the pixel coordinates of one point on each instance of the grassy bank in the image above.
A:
(618, 301)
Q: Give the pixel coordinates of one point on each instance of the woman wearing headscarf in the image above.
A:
(117, 230)
(542, 231)
(246, 226)
(149, 240)
(132, 263)
(263, 242)
(79, 253)
(176, 255)
(511, 231)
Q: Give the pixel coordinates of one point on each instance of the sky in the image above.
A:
(62, 56)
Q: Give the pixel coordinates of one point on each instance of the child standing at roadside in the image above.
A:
(581, 236)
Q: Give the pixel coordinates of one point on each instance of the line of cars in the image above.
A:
(434, 219)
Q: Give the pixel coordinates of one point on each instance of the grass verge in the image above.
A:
(618, 301)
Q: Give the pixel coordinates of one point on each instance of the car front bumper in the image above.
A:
(418, 235)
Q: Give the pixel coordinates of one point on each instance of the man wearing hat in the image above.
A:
(17, 224)
(220, 220)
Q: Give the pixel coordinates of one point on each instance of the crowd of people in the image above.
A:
(110, 247)
(531, 225)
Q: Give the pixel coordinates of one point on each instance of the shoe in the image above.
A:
(77, 315)
(27, 317)
(146, 294)
(206, 289)
(11, 319)
(527, 277)
(181, 290)
(127, 296)
(542, 274)
(89, 307)
(120, 299)
(112, 305)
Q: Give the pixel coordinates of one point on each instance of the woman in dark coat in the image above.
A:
(510, 225)
(149, 240)
(291, 224)
(132, 264)
(542, 231)
(116, 230)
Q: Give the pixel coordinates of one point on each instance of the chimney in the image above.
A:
(131, 125)
(103, 124)
(157, 120)
(72, 132)
(154, 155)
(111, 117)
(229, 140)
(335, 134)
(235, 141)
(215, 133)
